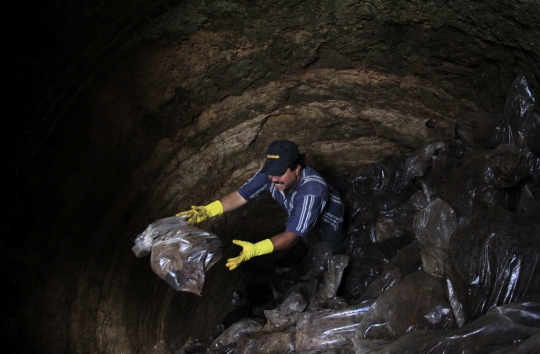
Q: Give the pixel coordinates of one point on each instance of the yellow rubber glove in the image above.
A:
(198, 214)
(249, 250)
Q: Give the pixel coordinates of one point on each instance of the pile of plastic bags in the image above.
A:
(444, 253)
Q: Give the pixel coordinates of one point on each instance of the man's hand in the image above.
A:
(198, 214)
(249, 250)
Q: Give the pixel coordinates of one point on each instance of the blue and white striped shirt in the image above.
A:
(311, 205)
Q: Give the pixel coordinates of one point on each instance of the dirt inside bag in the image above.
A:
(493, 261)
(266, 342)
(181, 254)
(228, 340)
(417, 303)
(327, 329)
(503, 330)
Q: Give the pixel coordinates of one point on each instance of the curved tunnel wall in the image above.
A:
(176, 106)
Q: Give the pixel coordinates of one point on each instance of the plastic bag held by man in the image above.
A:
(181, 254)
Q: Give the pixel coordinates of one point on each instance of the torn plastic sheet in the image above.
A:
(266, 342)
(326, 329)
(418, 302)
(228, 340)
(502, 330)
(181, 254)
(494, 260)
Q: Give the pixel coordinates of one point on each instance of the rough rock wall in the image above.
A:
(184, 114)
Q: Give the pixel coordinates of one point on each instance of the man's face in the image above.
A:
(287, 180)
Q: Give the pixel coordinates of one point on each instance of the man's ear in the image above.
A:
(297, 171)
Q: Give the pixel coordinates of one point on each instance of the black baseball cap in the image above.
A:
(279, 155)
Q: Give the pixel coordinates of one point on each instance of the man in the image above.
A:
(311, 204)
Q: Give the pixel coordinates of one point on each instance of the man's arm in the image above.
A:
(283, 240)
(249, 250)
(280, 241)
(232, 201)
(200, 213)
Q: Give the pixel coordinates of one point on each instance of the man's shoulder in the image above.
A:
(312, 183)
(258, 179)
(309, 174)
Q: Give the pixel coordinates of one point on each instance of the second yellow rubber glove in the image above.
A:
(249, 250)
(198, 214)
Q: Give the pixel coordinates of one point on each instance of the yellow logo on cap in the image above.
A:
(272, 156)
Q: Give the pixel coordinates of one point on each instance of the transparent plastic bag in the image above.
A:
(326, 297)
(472, 183)
(366, 263)
(434, 260)
(144, 242)
(521, 115)
(505, 328)
(407, 261)
(267, 343)
(286, 313)
(228, 340)
(376, 191)
(326, 329)
(435, 224)
(389, 278)
(494, 260)
(332, 277)
(180, 253)
(416, 303)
